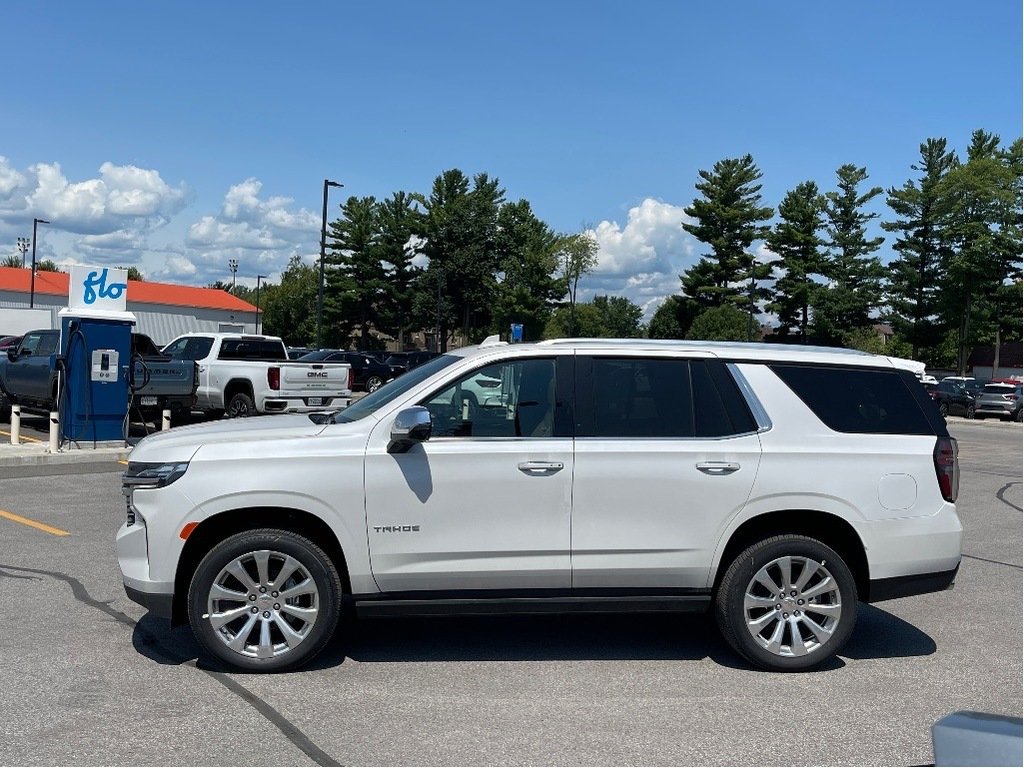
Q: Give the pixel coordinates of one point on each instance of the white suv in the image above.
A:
(775, 486)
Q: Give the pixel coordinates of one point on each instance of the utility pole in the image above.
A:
(323, 254)
(258, 278)
(23, 247)
(233, 266)
(32, 294)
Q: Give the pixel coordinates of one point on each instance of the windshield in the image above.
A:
(394, 388)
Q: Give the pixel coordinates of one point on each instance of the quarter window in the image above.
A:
(875, 401)
(514, 398)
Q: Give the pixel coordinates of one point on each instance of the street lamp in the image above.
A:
(323, 253)
(258, 278)
(233, 266)
(32, 294)
(23, 247)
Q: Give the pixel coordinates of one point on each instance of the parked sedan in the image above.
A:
(953, 399)
(367, 374)
(1002, 400)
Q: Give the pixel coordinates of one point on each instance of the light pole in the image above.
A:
(258, 278)
(32, 293)
(23, 247)
(323, 254)
(233, 266)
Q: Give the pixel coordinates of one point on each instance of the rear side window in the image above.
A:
(875, 401)
(659, 397)
(252, 349)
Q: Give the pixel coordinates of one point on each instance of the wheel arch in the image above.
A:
(235, 386)
(213, 530)
(830, 529)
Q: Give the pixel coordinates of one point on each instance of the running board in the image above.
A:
(454, 606)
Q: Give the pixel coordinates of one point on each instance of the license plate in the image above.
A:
(314, 401)
(148, 401)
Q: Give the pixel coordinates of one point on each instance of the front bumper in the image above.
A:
(159, 604)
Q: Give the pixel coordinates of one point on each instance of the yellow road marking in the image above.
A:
(33, 523)
(122, 461)
(23, 437)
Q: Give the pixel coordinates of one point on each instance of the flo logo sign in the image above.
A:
(98, 288)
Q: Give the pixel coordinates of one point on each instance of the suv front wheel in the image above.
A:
(787, 603)
(265, 600)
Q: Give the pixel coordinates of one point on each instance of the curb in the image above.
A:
(77, 456)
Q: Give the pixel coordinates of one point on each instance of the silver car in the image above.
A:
(1002, 400)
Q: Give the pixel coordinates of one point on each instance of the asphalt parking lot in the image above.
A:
(89, 678)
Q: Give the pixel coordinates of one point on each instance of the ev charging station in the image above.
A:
(96, 347)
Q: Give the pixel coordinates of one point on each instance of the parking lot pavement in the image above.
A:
(88, 678)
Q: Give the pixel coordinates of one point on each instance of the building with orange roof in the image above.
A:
(163, 310)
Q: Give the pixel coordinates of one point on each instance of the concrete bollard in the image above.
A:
(54, 431)
(15, 425)
(166, 420)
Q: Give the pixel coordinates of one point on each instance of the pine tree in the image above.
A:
(984, 232)
(915, 274)
(400, 227)
(728, 219)
(356, 281)
(855, 276)
(796, 241)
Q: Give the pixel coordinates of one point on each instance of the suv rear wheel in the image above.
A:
(787, 603)
(265, 600)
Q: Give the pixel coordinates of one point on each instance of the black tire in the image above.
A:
(374, 383)
(319, 572)
(240, 406)
(1017, 416)
(943, 410)
(840, 599)
(970, 412)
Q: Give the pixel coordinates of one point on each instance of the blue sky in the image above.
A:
(178, 135)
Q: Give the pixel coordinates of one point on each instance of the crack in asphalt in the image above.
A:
(994, 562)
(1002, 498)
(287, 728)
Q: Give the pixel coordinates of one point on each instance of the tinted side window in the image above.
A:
(641, 397)
(857, 400)
(718, 405)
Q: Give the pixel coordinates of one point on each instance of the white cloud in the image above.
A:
(123, 197)
(643, 259)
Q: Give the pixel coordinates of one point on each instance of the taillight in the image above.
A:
(274, 377)
(1012, 398)
(351, 377)
(947, 467)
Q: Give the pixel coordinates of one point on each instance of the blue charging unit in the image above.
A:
(96, 348)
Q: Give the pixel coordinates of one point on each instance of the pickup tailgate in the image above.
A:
(175, 378)
(328, 380)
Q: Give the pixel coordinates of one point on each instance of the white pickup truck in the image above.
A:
(246, 375)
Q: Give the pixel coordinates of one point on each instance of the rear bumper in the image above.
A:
(303, 405)
(905, 586)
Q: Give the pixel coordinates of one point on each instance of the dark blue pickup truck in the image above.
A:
(28, 377)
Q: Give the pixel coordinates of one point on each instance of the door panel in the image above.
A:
(472, 511)
(666, 452)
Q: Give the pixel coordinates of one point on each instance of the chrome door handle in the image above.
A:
(540, 467)
(718, 467)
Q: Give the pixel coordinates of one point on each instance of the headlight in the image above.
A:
(152, 474)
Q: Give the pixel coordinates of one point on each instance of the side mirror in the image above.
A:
(12, 354)
(411, 426)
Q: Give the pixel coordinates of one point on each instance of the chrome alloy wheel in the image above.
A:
(792, 606)
(263, 604)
